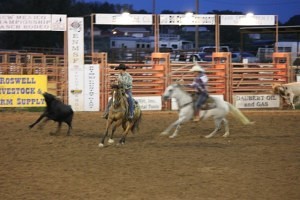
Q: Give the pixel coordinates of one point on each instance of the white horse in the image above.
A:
(186, 111)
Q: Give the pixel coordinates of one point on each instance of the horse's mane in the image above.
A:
(177, 85)
(115, 86)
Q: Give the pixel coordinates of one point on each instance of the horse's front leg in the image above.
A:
(175, 132)
(108, 124)
(176, 123)
(126, 131)
(117, 124)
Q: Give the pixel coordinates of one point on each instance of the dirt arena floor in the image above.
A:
(257, 162)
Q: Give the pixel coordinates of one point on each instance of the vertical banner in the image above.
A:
(76, 62)
(91, 88)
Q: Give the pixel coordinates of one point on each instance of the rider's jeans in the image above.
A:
(130, 101)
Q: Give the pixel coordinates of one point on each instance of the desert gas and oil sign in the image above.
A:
(22, 90)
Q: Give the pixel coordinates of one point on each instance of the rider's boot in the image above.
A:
(196, 116)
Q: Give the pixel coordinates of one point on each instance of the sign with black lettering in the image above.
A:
(22, 90)
(257, 101)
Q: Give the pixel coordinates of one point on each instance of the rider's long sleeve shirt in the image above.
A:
(126, 80)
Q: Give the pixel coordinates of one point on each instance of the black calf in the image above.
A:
(56, 111)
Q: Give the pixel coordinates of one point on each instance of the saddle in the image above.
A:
(208, 104)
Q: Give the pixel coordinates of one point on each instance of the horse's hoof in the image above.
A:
(100, 145)
(208, 136)
(164, 133)
(226, 135)
(250, 123)
(172, 136)
(110, 141)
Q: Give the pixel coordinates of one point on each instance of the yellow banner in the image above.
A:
(22, 90)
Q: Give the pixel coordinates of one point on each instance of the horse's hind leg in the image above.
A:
(226, 134)
(218, 123)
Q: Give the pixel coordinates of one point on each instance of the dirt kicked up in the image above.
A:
(261, 161)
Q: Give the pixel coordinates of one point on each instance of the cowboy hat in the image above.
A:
(121, 66)
(197, 68)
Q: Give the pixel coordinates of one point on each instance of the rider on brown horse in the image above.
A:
(124, 79)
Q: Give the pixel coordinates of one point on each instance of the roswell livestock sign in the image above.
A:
(22, 90)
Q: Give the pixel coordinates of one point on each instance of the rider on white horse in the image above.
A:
(200, 85)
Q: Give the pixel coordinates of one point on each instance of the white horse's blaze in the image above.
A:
(186, 111)
(113, 96)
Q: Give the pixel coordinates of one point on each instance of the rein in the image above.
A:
(117, 104)
(184, 105)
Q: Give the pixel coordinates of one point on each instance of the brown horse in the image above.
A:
(118, 115)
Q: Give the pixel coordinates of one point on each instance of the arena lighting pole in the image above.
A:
(217, 32)
(92, 34)
(276, 34)
(197, 27)
(155, 28)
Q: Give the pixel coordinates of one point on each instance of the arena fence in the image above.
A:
(151, 79)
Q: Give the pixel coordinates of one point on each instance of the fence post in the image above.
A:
(161, 62)
(221, 63)
(282, 61)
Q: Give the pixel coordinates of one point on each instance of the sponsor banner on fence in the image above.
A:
(124, 19)
(149, 103)
(22, 90)
(32, 22)
(91, 88)
(248, 20)
(76, 63)
(76, 86)
(186, 19)
(257, 101)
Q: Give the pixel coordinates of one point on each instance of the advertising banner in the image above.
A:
(76, 63)
(124, 19)
(257, 101)
(186, 19)
(91, 88)
(248, 20)
(149, 103)
(22, 90)
(32, 22)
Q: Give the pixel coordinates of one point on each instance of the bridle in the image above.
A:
(171, 92)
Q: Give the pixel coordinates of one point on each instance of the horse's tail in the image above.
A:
(136, 124)
(239, 115)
